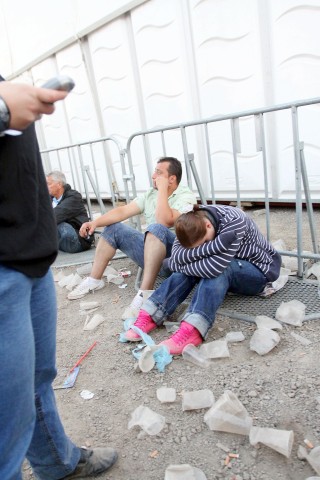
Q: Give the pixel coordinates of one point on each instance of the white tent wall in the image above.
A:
(141, 65)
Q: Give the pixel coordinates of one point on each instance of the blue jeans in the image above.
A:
(29, 422)
(239, 277)
(68, 238)
(131, 242)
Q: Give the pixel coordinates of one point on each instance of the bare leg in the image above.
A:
(154, 254)
(104, 253)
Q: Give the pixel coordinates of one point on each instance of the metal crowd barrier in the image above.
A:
(80, 159)
(301, 175)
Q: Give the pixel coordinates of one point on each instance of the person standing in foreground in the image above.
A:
(29, 422)
(162, 204)
(70, 213)
(218, 249)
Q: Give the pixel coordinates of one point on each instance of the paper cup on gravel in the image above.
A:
(192, 354)
(76, 280)
(184, 472)
(279, 440)
(313, 459)
(267, 322)
(215, 349)
(292, 312)
(166, 394)
(264, 340)
(228, 415)
(197, 399)
(65, 280)
(150, 421)
(94, 322)
(89, 305)
(146, 361)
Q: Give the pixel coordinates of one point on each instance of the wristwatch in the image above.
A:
(4, 115)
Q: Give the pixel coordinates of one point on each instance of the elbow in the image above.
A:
(165, 221)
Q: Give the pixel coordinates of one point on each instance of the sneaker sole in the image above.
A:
(139, 339)
(177, 350)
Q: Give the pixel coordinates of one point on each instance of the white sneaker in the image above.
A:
(135, 306)
(85, 287)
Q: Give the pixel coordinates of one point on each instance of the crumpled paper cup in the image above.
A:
(215, 349)
(197, 399)
(292, 312)
(184, 472)
(150, 421)
(228, 415)
(264, 340)
(166, 394)
(76, 280)
(279, 440)
(313, 458)
(146, 361)
(267, 322)
(94, 322)
(113, 276)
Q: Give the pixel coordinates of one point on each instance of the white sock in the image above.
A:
(93, 281)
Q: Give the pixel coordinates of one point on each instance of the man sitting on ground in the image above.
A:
(161, 205)
(70, 213)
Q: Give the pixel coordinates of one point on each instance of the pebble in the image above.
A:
(253, 393)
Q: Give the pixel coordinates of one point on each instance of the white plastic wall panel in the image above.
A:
(295, 38)
(173, 61)
(75, 121)
(163, 74)
(31, 28)
(114, 75)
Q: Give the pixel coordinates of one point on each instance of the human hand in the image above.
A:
(27, 103)
(161, 183)
(86, 229)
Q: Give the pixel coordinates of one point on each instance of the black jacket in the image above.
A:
(71, 209)
(29, 240)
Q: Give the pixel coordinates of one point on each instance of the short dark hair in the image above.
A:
(175, 167)
(190, 227)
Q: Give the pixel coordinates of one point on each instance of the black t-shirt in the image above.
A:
(28, 232)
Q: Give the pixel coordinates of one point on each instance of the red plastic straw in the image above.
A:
(83, 356)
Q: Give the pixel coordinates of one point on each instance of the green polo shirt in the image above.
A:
(179, 200)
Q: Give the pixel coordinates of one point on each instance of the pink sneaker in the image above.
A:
(184, 336)
(144, 322)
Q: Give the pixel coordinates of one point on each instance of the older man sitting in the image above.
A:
(70, 213)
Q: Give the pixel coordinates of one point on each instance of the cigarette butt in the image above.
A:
(308, 443)
(234, 455)
(227, 460)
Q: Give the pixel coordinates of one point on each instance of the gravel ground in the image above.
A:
(279, 390)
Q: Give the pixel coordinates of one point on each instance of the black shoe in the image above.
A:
(93, 462)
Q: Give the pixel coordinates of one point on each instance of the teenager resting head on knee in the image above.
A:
(218, 249)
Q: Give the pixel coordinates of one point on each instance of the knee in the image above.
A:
(111, 232)
(157, 230)
(114, 234)
(62, 229)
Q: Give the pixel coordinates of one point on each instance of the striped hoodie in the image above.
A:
(237, 236)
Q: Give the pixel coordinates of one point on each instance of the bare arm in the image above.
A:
(26, 103)
(164, 214)
(115, 215)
